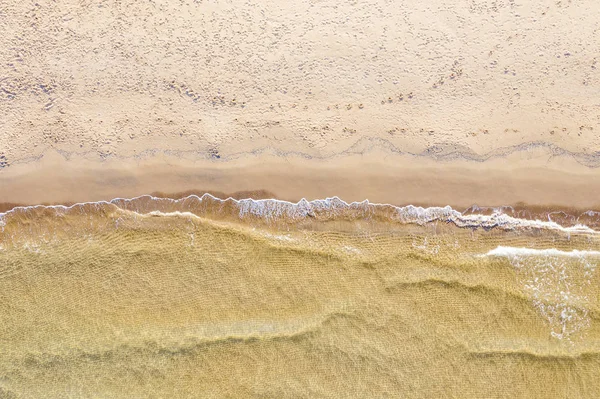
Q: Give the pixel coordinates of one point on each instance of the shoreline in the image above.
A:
(273, 211)
(522, 182)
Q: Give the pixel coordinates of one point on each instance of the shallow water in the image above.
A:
(209, 298)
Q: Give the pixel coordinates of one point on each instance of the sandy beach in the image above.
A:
(534, 178)
(387, 95)
(184, 186)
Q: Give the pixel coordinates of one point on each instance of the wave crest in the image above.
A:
(275, 210)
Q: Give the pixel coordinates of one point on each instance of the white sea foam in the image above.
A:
(278, 237)
(175, 213)
(515, 251)
(558, 283)
(351, 250)
(272, 209)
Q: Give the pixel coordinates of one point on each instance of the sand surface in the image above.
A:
(491, 103)
(118, 83)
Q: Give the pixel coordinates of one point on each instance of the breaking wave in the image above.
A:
(274, 211)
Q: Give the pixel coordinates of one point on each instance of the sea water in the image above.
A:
(208, 297)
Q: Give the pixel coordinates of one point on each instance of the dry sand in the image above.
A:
(464, 84)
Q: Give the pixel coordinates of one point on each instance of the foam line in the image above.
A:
(510, 252)
(272, 209)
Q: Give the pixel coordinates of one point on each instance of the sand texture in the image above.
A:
(312, 78)
(299, 199)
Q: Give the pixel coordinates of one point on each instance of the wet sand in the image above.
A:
(534, 180)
